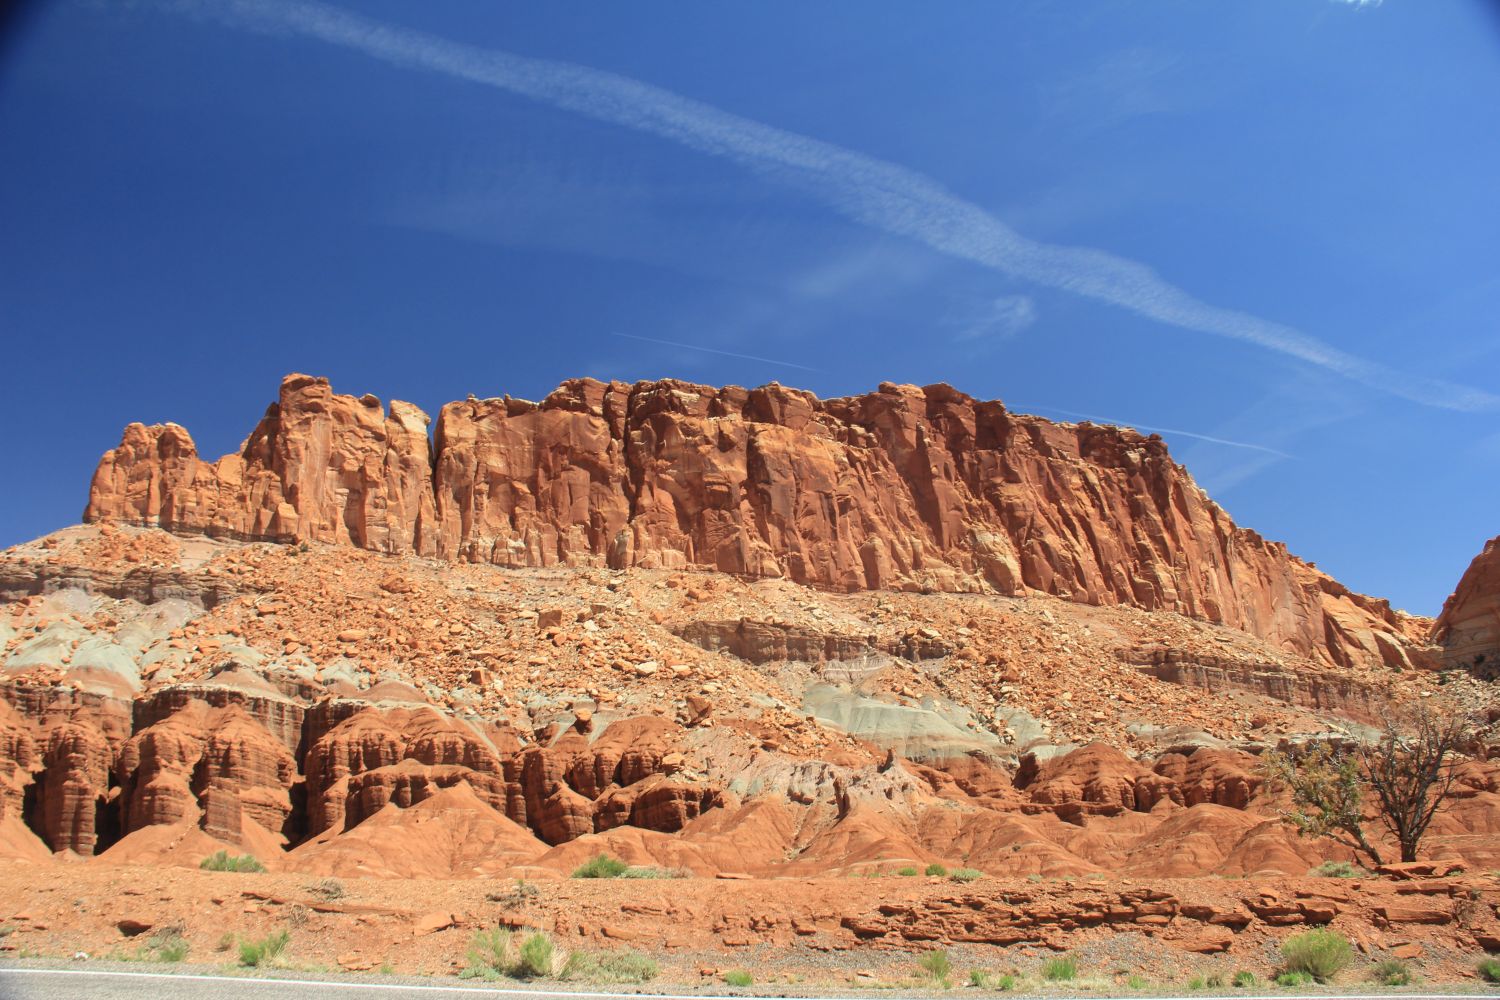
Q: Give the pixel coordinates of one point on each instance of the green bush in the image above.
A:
(1006, 982)
(965, 874)
(936, 869)
(265, 951)
(936, 965)
(1196, 983)
(738, 977)
(907, 872)
(609, 967)
(1060, 970)
(1137, 982)
(644, 871)
(223, 861)
(536, 957)
(1215, 980)
(488, 956)
(1294, 979)
(1244, 980)
(601, 866)
(1391, 972)
(1335, 869)
(978, 977)
(1489, 970)
(1321, 953)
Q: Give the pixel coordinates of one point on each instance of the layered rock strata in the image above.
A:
(903, 488)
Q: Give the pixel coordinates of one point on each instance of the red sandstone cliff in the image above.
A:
(1468, 628)
(903, 488)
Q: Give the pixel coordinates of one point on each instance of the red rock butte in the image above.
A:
(905, 488)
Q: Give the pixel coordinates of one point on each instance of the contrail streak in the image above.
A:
(1162, 430)
(875, 193)
(714, 350)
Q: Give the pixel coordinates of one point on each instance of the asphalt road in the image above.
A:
(91, 984)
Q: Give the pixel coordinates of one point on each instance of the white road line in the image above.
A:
(506, 991)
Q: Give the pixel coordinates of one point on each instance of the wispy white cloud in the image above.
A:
(1003, 317)
(1043, 410)
(882, 195)
(715, 350)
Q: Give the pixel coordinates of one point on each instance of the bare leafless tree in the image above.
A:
(1410, 766)
(1413, 765)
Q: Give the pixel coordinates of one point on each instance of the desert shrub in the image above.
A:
(265, 951)
(936, 869)
(226, 941)
(223, 861)
(488, 956)
(609, 967)
(645, 871)
(1335, 869)
(1060, 969)
(1214, 980)
(523, 893)
(1244, 980)
(906, 872)
(1294, 979)
(168, 945)
(1320, 953)
(601, 866)
(1196, 983)
(1006, 982)
(327, 888)
(965, 874)
(1489, 970)
(738, 977)
(1034, 877)
(1136, 982)
(1391, 972)
(978, 977)
(936, 965)
(535, 957)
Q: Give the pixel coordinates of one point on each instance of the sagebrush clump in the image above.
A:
(493, 954)
(609, 967)
(223, 861)
(1391, 972)
(601, 866)
(1060, 970)
(936, 966)
(266, 951)
(1319, 953)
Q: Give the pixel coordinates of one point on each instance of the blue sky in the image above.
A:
(1269, 229)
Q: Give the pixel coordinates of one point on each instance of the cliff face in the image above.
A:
(1468, 628)
(903, 488)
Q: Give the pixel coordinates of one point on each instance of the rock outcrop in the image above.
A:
(904, 488)
(1468, 629)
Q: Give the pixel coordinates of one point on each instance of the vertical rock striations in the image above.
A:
(1468, 628)
(903, 488)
